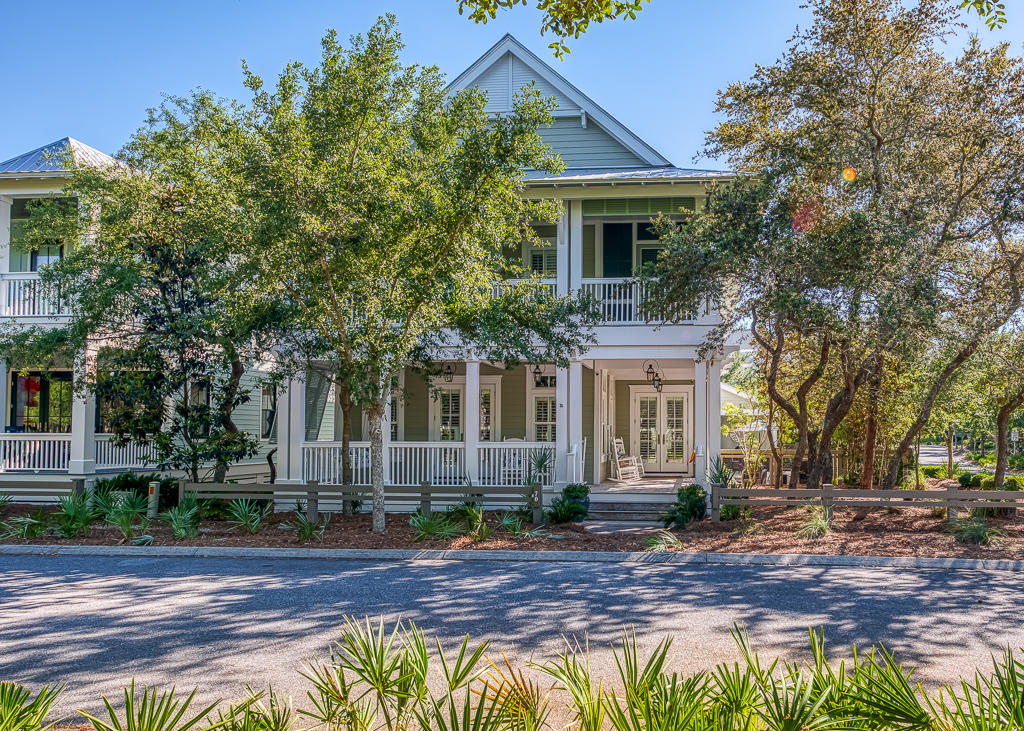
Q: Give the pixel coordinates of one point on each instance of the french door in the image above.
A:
(661, 432)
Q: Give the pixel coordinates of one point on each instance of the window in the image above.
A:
(45, 255)
(544, 380)
(542, 258)
(544, 418)
(486, 409)
(450, 414)
(41, 402)
(199, 406)
(268, 413)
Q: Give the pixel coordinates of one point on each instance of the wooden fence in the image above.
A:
(830, 497)
(35, 491)
(313, 493)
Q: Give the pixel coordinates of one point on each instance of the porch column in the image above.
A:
(82, 460)
(5, 234)
(575, 245)
(575, 441)
(700, 421)
(561, 425)
(472, 432)
(596, 446)
(291, 430)
(562, 244)
(714, 386)
(385, 437)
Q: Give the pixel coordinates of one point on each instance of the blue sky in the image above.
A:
(89, 70)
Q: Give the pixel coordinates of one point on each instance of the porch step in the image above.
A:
(625, 511)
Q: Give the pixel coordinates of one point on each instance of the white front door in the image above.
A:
(661, 428)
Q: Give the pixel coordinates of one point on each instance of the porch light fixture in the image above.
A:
(448, 373)
(657, 382)
(536, 370)
(650, 372)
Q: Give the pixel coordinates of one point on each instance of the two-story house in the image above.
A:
(478, 422)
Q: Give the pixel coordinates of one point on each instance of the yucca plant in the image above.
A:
(258, 712)
(20, 711)
(74, 516)
(147, 709)
(523, 704)
(437, 526)
(815, 525)
(975, 531)
(663, 540)
(306, 529)
(247, 515)
(574, 676)
(183, 520)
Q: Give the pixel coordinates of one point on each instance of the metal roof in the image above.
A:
(612, 175)
(51, 158)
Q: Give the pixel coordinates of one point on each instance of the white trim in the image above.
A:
(532, 391)
(487, 382)
(620, 132)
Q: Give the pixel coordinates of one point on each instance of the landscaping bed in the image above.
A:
(897, 531)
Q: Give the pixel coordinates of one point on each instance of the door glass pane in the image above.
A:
(450, 420)
(544, 418)
(675, 430)
(648, 428)
(486, 412)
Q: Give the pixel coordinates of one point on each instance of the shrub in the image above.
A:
(987, 483)
(965, 479)
(663, 540)
(306, 529)
(512, 523)
(183, 518)
(1011, 483)
(735, 512)
(815, 525)
(434, 526)
(564, 510)
(74, 516)
(139, 483)
(933, 471)
(247, 515)
(690, 505)
(578, 491)
(975, 531)
(25, 527)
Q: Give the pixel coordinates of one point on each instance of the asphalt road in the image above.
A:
(224, 624)
(935, 454)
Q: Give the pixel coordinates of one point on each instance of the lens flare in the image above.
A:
(849, 174)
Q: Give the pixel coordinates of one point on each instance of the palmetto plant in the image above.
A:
(306, 529)
(26, 527)
(21, 711)
(663, 540)
(147, 709)
(74, 516)
(183, 520)
(5, 500)
(125, 519)
(247, 515)
(434, 526)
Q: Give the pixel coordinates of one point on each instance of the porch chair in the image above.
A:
(626, 466)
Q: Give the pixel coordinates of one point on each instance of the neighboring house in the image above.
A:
(479, 421)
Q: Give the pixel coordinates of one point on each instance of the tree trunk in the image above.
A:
(346, 439)
(949, 451)
(375, 417)
(867, 473)
(775, 473)
(227, 400)
(917, 464)
(1003, 434)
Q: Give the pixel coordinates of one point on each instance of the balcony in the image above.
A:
(23, 295)
(624, 301)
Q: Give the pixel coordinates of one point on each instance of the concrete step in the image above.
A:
(624, 507)
(621, 517)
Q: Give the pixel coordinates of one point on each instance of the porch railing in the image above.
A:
(438, 463)
(511, 464)
(625, 301)
(548, 286)
(321, 461)
(35, 452)
(23, 294)
(130, 456)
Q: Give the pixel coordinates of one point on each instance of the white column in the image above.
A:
(291, 430)
(714, 398)
(561, 425)
(83, 423)
(575, 436)
(385, 437)
(563, 247)
(575, 245)
(700, 421)
(472, 431)
(594, 439)
(5, 234)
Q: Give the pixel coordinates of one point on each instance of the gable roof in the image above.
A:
(569, 97)
(50, 158)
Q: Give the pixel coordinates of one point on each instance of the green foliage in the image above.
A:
(434, 526)
(977, 479)
(735, 512)
(258, 712)
(144, 710)
(988, 483)
(20, 711)
(247, 514)
(5, 500)
(663, 540)
(719, 473)
(815, 525)
(127, 518)
(563, 18)
(565, 510)
(139, 483)
(975, 531)
(577, 491)
(965, 479)
(26, 527)
(74, 516)
(183, 518)
(306, 529)
(690, 505)
(513, 524)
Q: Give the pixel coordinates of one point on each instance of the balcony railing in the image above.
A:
(23, 294)
(511, 464)
(130, 456)
(548, 286)
(35, 452)
(625, 301)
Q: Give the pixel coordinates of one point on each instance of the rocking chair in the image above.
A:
(626, 466)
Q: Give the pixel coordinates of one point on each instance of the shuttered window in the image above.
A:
(544, 418)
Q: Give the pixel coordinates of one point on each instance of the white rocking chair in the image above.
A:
(626, 466)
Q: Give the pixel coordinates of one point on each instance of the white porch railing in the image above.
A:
(321, 461)
(23, 294)
(131, 456)
(510, 464)
(34, 452)
(624, 301)
(548, 286)
(439, 463)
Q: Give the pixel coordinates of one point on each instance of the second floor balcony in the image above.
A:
(23, 295)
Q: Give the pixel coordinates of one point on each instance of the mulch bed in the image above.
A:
(895, 531)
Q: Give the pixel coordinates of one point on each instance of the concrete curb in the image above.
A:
(618, 557)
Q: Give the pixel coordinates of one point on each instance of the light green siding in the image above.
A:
(513, 403)
(584, 147)
(590, 250)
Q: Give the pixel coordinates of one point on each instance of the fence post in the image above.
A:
(716, 502)
(78, 487)
(537, 498)
(952, 512)
(425, 498)
(153, 505)
(312, 501)
(181, 491)
(826, 501)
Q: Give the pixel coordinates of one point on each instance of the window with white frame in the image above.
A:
(544, 418)
(541, 256)
(443, 410)
(268, 413)
(449, 415)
